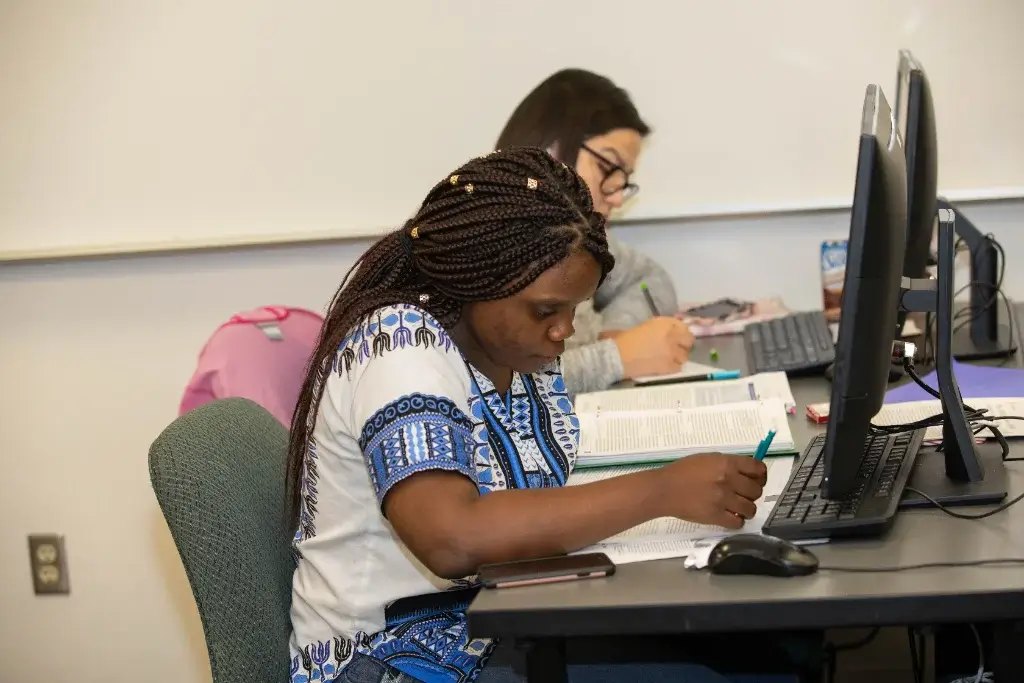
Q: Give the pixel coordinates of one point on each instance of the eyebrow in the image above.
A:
(617, 158)
(549, 301)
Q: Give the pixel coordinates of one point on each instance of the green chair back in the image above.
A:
(219, 476)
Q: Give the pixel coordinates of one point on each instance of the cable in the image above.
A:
(995, 291)
(968, 314)
(832, 649)
(973, 415)
(892, 569)
(961, 515)
(1015, 333)
(981, 676)
(971, 311)
(917, 655)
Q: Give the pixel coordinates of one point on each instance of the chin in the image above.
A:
(536, 363)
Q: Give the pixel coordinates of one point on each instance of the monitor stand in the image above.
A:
(929, 476)
(967, 347)
(960, 474)
(983, 337)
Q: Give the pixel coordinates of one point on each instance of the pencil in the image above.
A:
(650, 299)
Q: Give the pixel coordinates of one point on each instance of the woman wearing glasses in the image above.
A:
(586, 121)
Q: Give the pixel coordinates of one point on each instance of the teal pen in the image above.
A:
(762, 448)
(721, 374)
(650, 299)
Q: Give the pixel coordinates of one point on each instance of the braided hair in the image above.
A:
(485, 232)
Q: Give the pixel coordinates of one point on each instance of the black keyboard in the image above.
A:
(802, 513)
(797, 343)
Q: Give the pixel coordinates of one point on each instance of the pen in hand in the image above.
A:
(762, 448)
(650, 299)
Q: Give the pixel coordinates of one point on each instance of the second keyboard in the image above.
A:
(796, 343)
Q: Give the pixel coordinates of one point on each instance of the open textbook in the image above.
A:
(670, 537)
(629, 437)
(763, 386)
(912, 411)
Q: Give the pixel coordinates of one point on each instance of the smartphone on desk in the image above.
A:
(546, 570)
(719, 310)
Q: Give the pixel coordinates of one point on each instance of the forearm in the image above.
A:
(591, 367)
(522, 524)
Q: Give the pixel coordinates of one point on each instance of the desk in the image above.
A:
(652, 598)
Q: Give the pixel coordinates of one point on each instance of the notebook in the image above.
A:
(629, 437)
(762, 386)
(975, 381)
(912, 411)
(753, 312)
(690, 369)
(670, 537)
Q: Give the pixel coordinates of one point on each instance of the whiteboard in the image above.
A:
(151, 125)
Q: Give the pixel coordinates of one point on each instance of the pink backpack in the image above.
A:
(260, 355)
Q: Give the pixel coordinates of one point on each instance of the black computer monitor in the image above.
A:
(871, 294)
(915, 119)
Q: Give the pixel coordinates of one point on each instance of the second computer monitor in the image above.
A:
(871, 293)
(915, 119)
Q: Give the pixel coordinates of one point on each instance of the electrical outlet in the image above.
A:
(49, 564)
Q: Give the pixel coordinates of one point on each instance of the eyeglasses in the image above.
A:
(616, 178)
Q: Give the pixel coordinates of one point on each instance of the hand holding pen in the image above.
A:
(659, 346)
(766, 443)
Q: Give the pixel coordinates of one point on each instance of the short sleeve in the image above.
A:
(409, 390)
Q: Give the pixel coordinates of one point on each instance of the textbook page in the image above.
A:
(912, 411)
(671, 537)
(618, 438)
(763, 386)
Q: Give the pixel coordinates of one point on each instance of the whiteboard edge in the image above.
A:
(297, 238)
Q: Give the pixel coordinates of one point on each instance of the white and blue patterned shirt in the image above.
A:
(399, 399)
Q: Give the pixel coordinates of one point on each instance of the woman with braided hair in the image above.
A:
(591, 124)
(434, 433)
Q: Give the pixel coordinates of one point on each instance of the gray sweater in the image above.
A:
(590, 364)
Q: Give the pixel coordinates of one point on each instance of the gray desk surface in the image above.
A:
(663, 597)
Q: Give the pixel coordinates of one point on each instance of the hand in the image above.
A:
(657, 347)
(713, 488)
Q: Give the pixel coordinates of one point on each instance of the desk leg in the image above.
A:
(1008, 651)
(545, 661)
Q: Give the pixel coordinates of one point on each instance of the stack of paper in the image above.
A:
(912, 411)
(669, 537)
(761, 387)
(639, 435)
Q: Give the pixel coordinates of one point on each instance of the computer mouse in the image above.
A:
(759, 555)
(895, 373)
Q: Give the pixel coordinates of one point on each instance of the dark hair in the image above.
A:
(567, 109)
(485, 232)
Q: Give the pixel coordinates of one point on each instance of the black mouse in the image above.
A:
(895, 373)
(761, 555)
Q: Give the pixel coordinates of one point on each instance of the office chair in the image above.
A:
(219, 476)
